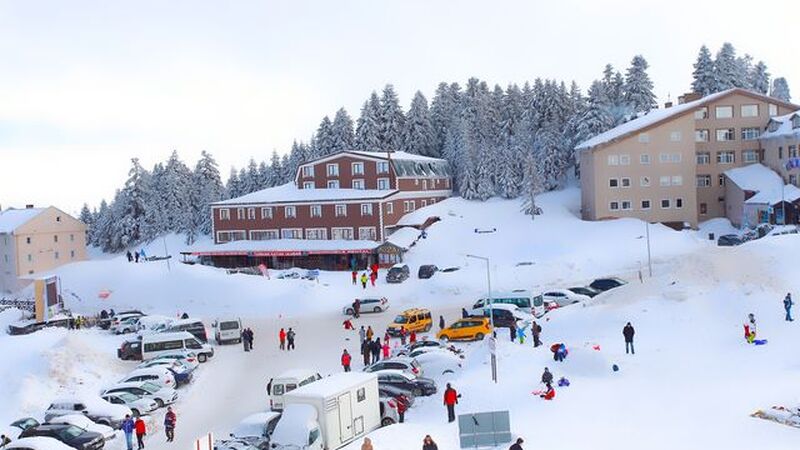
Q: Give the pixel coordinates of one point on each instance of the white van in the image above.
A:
(522, 299)
(227, 330)
(155, 345)
(287, 382)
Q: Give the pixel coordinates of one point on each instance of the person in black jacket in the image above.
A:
(441, 323)
(366, 351)
(547, 377)
(628, 332)
(517, 445)
(428, 444)
(375, 347)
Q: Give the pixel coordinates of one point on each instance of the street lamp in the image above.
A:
(493, 342)
(647, 236)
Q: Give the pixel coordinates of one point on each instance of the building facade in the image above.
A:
(34, 240)
(668, 165)
(781, 143)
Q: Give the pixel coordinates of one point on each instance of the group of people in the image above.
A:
(519, 333)
(247, 339)
(135, 256)
(286, 339)
(372, 277)
(131, 426)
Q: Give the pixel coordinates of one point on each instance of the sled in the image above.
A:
(779, 414)
(760, 342)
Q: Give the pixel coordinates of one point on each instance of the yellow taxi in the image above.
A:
(474, 328)
(416, 319)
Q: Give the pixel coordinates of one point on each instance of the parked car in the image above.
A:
(729, 240)
(415, 319)
(37, 443)
(408, 348)
(32, 326)
(398, 273)
(18, 426)
(233, 444)
(388, 410)
(368, 305)
(158, 375)
(186, 357)
(145, 389)
(503, 315)
(520, 298)
(194, 327)
(406, 364)
(154, 324)
(158, 344)
(70, 435)
(227, 330)
(584, 290)
(416, 385)
(474, 328)
(426, 271)
(126, 325)
(81, 421)
(138, 405)
(256, 429)
(563, 297)
(394, 391)
(122, 317)
(95, 408)
(604, 284)
(107, 322)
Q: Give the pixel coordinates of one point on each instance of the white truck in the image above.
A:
(328, 414)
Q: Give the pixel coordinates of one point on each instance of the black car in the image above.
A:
(584, 290)
(388, 391)
(417, 386)
(729, 240)
(398, 274)
(70, 435)
(604, 284)
(130, 350)
(426, 271)
(29, 327)
(502, 318)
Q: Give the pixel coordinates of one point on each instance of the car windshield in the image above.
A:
(70, 432)
(230, 325)
(150, 387)
(127, 397)
(395, 270)
(401, 319)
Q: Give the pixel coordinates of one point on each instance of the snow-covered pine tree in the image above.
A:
(758, 78)
(418, 135)
(368, 125)
(264, 175)
(275, 170)
(596, 118)
(342, 132)
(290, 162)
(638, 87)
(129, 208)
(532, 183)
(244, 182)
(175, 196)
(101, 234)
(207, 188)
(454, 152)
(233, 186)
(392, 120)
(704, 81)
(547, 146)
(727, 73)
(780, 89)
(324, 139)
(155, 215)
(512, 144)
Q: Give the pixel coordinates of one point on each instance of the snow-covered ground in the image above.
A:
(693, 382)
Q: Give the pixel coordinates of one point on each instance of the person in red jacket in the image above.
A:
(141, 431)
(412, 337)
(549, 393)
(450, 400)
(346, 360)
(282, 338)
(400, 401)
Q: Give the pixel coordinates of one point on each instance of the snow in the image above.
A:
(755, 177)
(785, 129)
(789, 193)
(294, 425)
(332, 385)
(399, 156)
(254, 424)
(289, 193)
(404, 237)
(38, 443)
(11, 219)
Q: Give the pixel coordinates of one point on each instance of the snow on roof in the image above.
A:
(399, 156)
(288, 246)
(784, 129)
(755, 177)
(294, 425)
(11, 219)
(404, 237)
(289, 193)
(653, 117)
(790, 193)
(333, 384)
(300, 374)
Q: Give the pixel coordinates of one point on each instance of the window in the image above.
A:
(749, 111)
(72, 238)
(358, 184)
(703, 180)
(358, 168)
(721, 180)
(409, 205)
(340, 210)
(773, 110)
(664, 181)
(613, 206)
(27, 240)
(266, 212)
(361, 395)
(624, 160)
(644, 181)
(701, 135)
(292, 233)
(263, 235)
(644, 158)
(308, 185)
(383, 184)
(30, 257)
(725, 134)
(382, 166)
(308, 171)
(665, 203)
(703, 158)
(342, 234)
(72, 254)
(316, 233)
(701, 113)
(55, 255)
(613, 160)
(424, 185)
(675, 157)
(289, 212)
(724, 112)
(703, 208)
(55, 238)
(228, 236)
(644, 138)
(613, 182)
(780, 152)
(727, 157)
(793, 179)
(313, 435)
(333, 170)
(251, 213)
(390, 208)
(626, 182)
(751, 133)
(366, 209)
(677, 180)
(679, 203)
(333, 184)
(225, 214)
(750, 156)
(663, 157)
(315, 210)
(240, 213)
(626, 205)
(645, 204)
(675, 136)
(792, 151)
(367, 234)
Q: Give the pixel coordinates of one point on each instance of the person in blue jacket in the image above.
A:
(127, 427)
(787, 305)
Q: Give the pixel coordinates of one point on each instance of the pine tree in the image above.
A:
(744, 65)
(342, 132)
(780, 90)
(704, 81)
(233, 186)
(418, 135)
(101, 233)
(392, 121)
(758, 78)
(206, 189)
(324, 139)
(596, 118)
(275, 170)
(512, 144)
(368, 126)
(264, 175)
(129, 208)
(638, 87)
(726, 69)
(444, 112)
(532, 184)
(87, 218)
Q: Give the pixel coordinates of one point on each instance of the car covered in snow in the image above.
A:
(157, 375)
(187, 358)
(84, 422)
(368, 305)
(138, 405)
(95, 408)
(126, 325)
(37, 443)
(404, 363)
(563, 297)
(398, 273)
(256, 429)
(146, 389)
(605, 284)
(18, 426)
(73, 436)
(32, 326)
(729, 240)
(408, 348)
(388, 410)
(584, 290)
(418, 386)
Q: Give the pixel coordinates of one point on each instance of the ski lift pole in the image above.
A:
(166, 253)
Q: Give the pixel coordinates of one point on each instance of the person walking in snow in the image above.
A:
(346, 360)
(362, 334)
(142, 255)
(136, 256)
(512, 332)
(787, 305)
(282, 339)
(385, 349)
(517, 445)
(428, 444)
(370, 333)
(250, 337)
(366, 351)
(170, 420)
(464, 313)
(364, 280)
(372, 277)
(347, 324)
(549, 393)
(245, 340)
(290, 339)
(354, 275)
(536, 331)
(547, 377)
(402, 406)
(130, 257)
(750, 328)
(356, 309)
(441, 323)
(141, 431)
(450, 401)
(520, 332)
(402, 335)
(128, 427)
(412, 337)
(375, 348)
(628, 332)
(367, 444)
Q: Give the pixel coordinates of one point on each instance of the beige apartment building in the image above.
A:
(34, 240)
(780, 143)
(667, 166)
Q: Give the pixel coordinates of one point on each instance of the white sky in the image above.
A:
(86, 85)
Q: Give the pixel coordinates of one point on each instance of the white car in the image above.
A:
(126, 325)
(154, 324)
(139, 406)
(367, 305)
(405, 349)
(563, 297)
(119, 318)
(406, 364)
(95, 408)
(81, 421)
(145, 389)
(227, 330)
(158, 375)
(185, 357)
(256, 429)
(37, 443)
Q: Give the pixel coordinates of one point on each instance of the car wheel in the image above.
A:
(350, 311)
(387, 421)
(428, 328)
(105, 422)
(377, 309)
(417, 392)
(135, 412)
(479, 336)
(445, 338)
(159, 403)
(202, 357)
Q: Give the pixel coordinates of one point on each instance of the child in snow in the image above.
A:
(559, 352)
(750, 328)
(549, 393)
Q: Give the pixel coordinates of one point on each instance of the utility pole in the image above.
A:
(493, 341)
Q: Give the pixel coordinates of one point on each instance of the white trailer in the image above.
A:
(330, 413)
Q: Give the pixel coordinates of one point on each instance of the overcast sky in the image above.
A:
(86, 85)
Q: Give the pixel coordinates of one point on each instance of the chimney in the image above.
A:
(28, 206)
